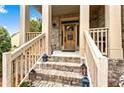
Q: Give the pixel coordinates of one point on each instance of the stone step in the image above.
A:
(62, 66)
(64, 59)
(64, 77)
(42, 83)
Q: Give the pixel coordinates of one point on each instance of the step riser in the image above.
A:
(59, 70)
(59, 79)
(59, 67)
(64, 59)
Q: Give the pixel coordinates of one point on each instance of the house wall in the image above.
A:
(15, 40)
(59, 12)
(55, 35)
(56, 31)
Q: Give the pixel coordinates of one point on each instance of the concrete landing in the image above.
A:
(66, 54)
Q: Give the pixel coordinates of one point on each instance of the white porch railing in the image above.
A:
(100, 36)
(31, 35)
(97, 64)
(18, 63)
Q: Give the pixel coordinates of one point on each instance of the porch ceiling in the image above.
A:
(95, 8)
(65, 9)
(38, 8)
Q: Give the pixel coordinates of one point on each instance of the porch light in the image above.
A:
(85, 82)
(45, 57)
(32, 75)
(83, 70)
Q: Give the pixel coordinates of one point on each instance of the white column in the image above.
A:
(24, 22)
(84, 26)
(46, 26)
(6, 70)
(106, 15)
(113, 21)
(102, 72)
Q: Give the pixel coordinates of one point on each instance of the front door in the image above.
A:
(69, 37)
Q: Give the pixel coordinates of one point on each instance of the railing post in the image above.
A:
(102, 75)
(6, 70)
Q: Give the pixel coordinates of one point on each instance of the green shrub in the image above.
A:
(25, 84)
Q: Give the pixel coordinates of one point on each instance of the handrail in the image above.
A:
(92, 45)
(31, 35)
(18, 63)
(99, 28)
(25, 46)
(97, 63)
(35, 32)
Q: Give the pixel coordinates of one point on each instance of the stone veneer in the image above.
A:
(55, 33)
(115, 70)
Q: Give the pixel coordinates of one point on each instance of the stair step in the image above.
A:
(64, 77)
(63, 66)
(41, 83)
(64, 59)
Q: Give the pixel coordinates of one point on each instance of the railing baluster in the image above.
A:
(35, 52)
(21, 66)
(22, 60)
(102, 40)
(41, 47)
(16, 72)
(38, 49)
(106, 41)
(98, 33)
(26, 62)
(97, 38)
(29, 58)
(31, 35)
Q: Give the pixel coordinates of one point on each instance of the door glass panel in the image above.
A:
(69, 28)
(70, 36)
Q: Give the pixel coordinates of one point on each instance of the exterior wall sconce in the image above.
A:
(54, 25)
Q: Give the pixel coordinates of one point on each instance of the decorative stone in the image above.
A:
(32, 75)
(121, 81)
(45, 57)
(85, 82)
(115, 70)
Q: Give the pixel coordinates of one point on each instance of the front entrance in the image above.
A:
(69, 36)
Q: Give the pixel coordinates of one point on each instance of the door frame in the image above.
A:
(61, 30)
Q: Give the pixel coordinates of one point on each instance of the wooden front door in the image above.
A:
(69, 37)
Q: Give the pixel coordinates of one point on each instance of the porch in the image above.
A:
(21, 61)
(59, 37)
